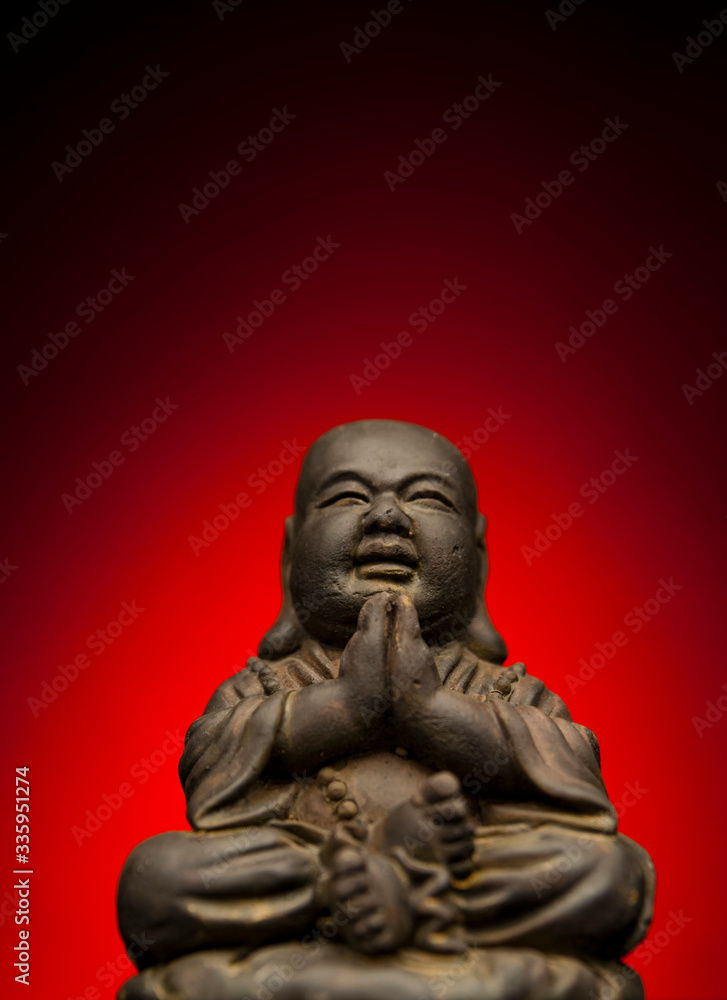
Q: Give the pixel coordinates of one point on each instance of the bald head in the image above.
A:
(385, 447)
(383, 505)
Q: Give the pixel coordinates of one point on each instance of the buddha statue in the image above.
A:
(380, 809)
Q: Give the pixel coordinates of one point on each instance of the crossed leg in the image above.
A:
(184, 891)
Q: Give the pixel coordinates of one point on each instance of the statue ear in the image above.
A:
(287, 634)
(481, 636)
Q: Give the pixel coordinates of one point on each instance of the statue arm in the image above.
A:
(226, 752)
(332, 718)
(244, 757)
(320, 723)
(525, 755)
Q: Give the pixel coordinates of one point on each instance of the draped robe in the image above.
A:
(556, 897)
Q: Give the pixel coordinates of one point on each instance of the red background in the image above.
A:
(291, 380)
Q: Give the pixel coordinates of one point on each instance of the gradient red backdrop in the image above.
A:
(230, 69)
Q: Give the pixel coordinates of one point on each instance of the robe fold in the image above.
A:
(544, 767)
(551, 871)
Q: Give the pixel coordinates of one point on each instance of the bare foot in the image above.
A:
(446, 811)
(369, 891)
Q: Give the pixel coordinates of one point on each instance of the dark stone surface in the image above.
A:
(380, 808)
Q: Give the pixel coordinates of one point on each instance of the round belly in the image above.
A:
(367, 787)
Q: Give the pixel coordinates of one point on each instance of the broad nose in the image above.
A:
(385, 515)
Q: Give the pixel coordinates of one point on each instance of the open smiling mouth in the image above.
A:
(393, 560)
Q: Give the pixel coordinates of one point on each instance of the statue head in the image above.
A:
(384, 505)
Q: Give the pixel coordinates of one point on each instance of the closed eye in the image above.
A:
(344, 499)
(433, 497)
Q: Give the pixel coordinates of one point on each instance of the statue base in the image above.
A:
(332, 971)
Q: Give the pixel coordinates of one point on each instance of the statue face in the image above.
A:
(384, 506)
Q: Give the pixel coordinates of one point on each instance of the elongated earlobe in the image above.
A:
(287, 634)
(482, 637)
